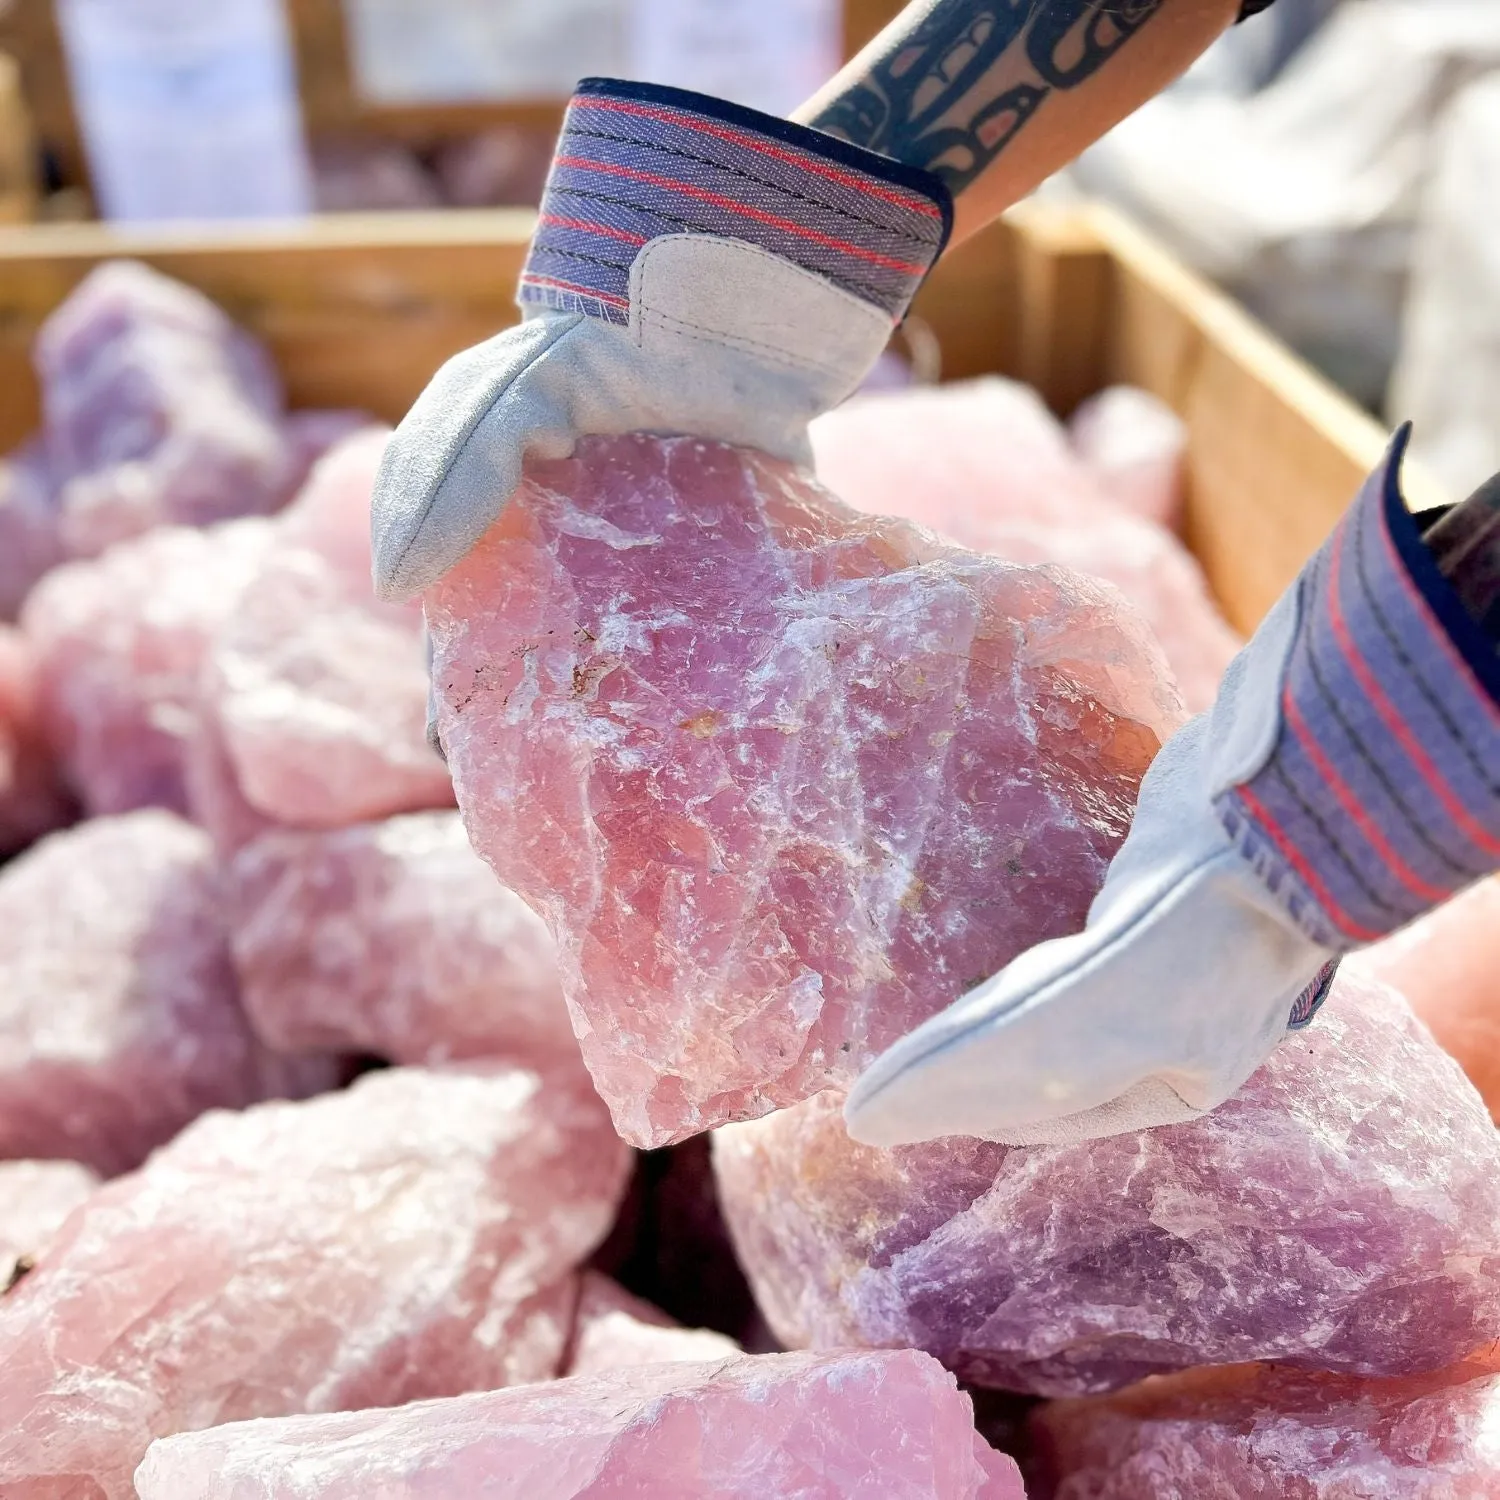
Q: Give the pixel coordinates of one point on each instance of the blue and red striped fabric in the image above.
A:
(635, 161)
(1381, 797)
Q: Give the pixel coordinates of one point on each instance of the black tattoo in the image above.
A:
(959, 87)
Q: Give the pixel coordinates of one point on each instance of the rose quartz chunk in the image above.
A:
(848, 1426)
(121, 640)
(32, 798)
(35, 1198)
(119, 1021)
(157, 410)
(318, 693)
(1258, 1431)
(1136, 447)
(615, 1331)
(410, 1237)
(392, 938)
(1341, 1212)
(1447, 964)
(30, 540)
(783, 779)
(985, 463)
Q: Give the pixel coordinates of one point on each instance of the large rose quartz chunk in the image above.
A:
(1135, 446)
(848, 1426)
(985, 463)
(35, 1198)
(615, 1331)
(1447, 964)
(33, 800)
(783, 779)
(410, 1237)
(1257, 1431)
(318, 693)
(121, 640)
(1342, 1212)
(30, 522)
(157, 410)
(119, 1018)
(392, 938)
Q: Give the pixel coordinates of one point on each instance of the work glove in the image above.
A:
(697, 269)
(1346, 780)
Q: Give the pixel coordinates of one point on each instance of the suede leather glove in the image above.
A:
(1346, 780)
(697, 269)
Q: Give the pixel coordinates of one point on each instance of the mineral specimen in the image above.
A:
(849, 1426)
(318, 693)
(615, 1331)
(120, 642)
(392, 938)
(1135, 447)
(985, 463)
(35, 1198)
(1447, 964)
(1342, 1213)
(30, 542)
(1258, 1431)
(119, 1021)
(410, 1237)
(156, 410)
(782, 779)
(32, 798)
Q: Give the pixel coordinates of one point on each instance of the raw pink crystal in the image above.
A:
(1135, 446)
(30, 542)
(392, 938)
(783, 779)
(849, 1426)
(312, 432)
(506, 164)
(985, 463)
(1261, 1433)
(1341, 1212)
(615, 1331)
(318, 693)
(32, 798)
(410, 1237)
(119, 1021)
(121, 640)
(1447, 964)
(157, 410)
(35, 1198)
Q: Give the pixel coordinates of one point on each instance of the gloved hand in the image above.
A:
(697, 269)
(1346, 780)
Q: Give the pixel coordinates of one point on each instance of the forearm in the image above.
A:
(996, 95)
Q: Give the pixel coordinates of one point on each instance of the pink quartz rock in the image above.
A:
(505, 165)
(848, 1426)
(1257, 1431)
(615, 1331)
(1447, 964)
(985, 463)
(1342, 1212)
(119, 1020)
(157, 410)
(120, 642)
(782, 779)
(318, 693)
(314, 430)
(35, 1198)
(30, 540)
(410, 1237)
(1135, 446)
(392, 938)
(354, 173)
(33, 800)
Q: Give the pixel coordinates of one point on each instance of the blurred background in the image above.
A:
(1334, 164)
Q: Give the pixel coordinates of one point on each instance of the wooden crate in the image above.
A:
(360, 309)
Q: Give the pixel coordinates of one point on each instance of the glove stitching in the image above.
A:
(538, 247)
(773, 352)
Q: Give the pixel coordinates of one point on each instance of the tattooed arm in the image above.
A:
(996, 95)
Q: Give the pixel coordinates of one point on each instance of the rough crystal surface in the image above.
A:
(119, 1018)
(848, 1426)
(392, 938)
(33, 800)
(1341, 1212)
(156, 410)
(120, 642)
(30, 538)
(1135, 446)
(1262, 1433)
(615, 1331)
(783, 779)
(318, 692)
(410, 1237)
(35, 1198)
(985, 463)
